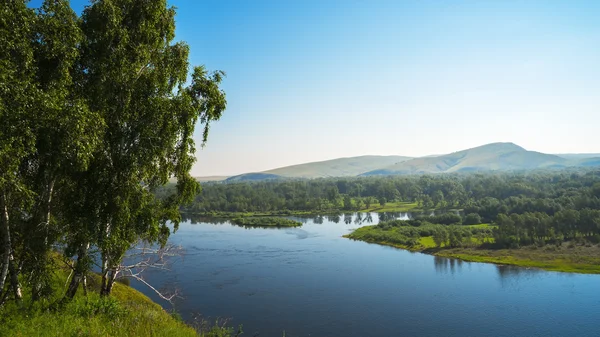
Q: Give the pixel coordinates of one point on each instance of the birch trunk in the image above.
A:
(14, 279)
(79, 273)
(46, 220)
(6, 244)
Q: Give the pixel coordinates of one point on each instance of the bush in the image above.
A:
(472, 219)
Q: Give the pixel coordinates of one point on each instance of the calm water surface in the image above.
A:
(310, 281)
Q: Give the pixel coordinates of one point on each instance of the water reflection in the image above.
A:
(445, 265)
(359, 218)
(310, 275)
(195, 219)
(511, 276)
(335, 218)
(347, 218)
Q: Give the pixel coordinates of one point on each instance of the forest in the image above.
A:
(526, 208)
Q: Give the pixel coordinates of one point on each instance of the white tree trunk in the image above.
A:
(6, 244)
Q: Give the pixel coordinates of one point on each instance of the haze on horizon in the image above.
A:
(316, 80)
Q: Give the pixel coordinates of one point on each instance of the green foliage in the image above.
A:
(266, 222)
(484, 194)
(96, 113)
(472, 219)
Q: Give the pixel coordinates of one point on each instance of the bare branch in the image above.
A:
(165, 297)
(142, 258)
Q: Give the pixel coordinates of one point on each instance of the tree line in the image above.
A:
(527, 208)
(484, 194)
(96, 112)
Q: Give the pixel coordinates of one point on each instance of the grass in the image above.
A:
(266, 222)
(566, 258)
(398, 206)
(126, 313)
(579, 259)
(482, 225)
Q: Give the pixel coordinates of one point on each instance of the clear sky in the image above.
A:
(321, 79)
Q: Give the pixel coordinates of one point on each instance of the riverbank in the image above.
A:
(398, 207)
(568, 258)
(127, 312)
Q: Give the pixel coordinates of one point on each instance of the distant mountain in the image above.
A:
(579, 155)
(588, 162)
(341, 167)
(490, 157)
(253, 177)
(211, 178)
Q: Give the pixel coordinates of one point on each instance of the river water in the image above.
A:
(310, 281)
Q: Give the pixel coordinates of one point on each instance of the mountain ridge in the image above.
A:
(500, 156)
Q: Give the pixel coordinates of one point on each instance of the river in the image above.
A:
(309, 281)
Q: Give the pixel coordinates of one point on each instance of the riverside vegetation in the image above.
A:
(545, 219)
(96, 112)
(529, 240)
(266, 222)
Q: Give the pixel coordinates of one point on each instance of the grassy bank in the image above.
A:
(565, 258)
(266, 222)
(394, 207)
(126, 313)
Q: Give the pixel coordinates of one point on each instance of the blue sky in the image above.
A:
(315, 80)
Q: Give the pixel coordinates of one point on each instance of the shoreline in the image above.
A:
(512, 257)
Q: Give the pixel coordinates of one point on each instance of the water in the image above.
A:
(310, 281)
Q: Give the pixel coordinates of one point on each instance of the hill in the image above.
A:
(341, 167)
(252, 177)
(579, 155)
(490, 157)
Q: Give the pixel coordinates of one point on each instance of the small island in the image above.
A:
(266, 222)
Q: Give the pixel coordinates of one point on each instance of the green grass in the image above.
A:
(126, 313)
(266, 222)
(482, 225)
(399, 206)
(585, 260)
(427, 242)
(565, 258)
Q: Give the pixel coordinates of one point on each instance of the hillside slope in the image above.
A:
(126, 313)
(341, 167)
(490, 157)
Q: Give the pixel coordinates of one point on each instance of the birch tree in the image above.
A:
(17, 97)
(135, 77)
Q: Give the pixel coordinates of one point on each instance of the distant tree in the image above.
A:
(382, 201)
(438, 198)
(359, 204)
(440, 236)
(347, 202)
(472, 219)
(368, 202)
